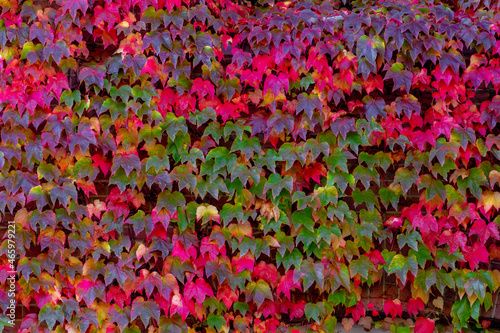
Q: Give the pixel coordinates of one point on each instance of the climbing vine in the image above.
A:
(206, 165)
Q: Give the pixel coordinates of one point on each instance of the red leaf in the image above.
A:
(245, 262)
(425, 223)
(376, 257)
(286, 283)
(357, 311)
(276, 83)
(420, 138)
(314, 172)
(394, 222)
(73, 5)
(179, 305)
(374, 82)
(268, 308)
(110, 14)
(296, 309)
(212, 248)
(454, 240)
(266, 272)
(227, 295)
(415, 305)
(203, 88)
(484, 231)
(116, 294)
(180, 251)
(424, 325)
(198, 290)
(475, 254)
(393, 308)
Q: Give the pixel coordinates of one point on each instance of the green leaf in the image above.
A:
(330, 324)
(258, 292)
(230, 212)
(304, 218)
(401, 265)
(366, 175)
(311, 311)
(170, 201)
(216, 321)
(367, 197)
(390, 195)
(276, 184)
(51, 314)
(361, 266)
(461, 312)
(406, 178)
(473, 182)
(411, 239)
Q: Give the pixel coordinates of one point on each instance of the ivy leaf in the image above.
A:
(484, 231)
(170, 201)
(312, 311)
(145, 310)
(401, 265)
(93, 76)
(400, 76)
(216, 321)
(361, 266)
(276, 184)
(258, 292)
(198, 290)
(367, 197)
(408, 104)
(51, 314)
(72, 6)
(63, 193)
(473, 182)
(374, 107)
(370, 48)
(269, 160)
(308, 103)
(424, 325)
(411, 239)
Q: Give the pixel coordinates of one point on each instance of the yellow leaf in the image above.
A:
(141, 251)
(489, 199)
(494, 177)
(240, 230)
(496, 279)
(208, 211)
(472, 298)
(419, 292)
(438, 303)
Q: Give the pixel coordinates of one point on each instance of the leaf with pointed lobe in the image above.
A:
(308, 103)
(198, 290)
(145, 310)
(276, 184)
(374, 108)
(400, 76)
(93, 76)
(370, 48)
(476, 254)
(424, 325)
(484, 231)
(72, 6)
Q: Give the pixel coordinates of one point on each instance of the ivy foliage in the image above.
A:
(174, 166)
